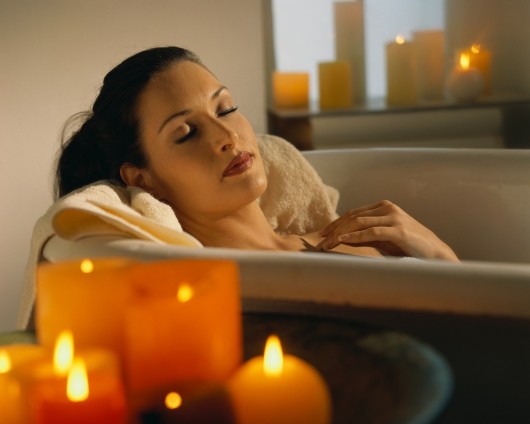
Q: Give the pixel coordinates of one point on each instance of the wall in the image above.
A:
(54, 55)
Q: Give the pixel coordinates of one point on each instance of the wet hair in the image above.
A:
(109, 135)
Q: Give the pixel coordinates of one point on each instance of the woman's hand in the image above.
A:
(387, 227)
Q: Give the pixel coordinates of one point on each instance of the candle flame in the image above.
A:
(184, 293)
(173, 400)
(77, 382)
(464, 60)
(63, 354)
(5, 362)
(87, 266)
(475, 48)
(400, 39)
(273, 357)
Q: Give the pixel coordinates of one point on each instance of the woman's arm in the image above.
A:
(389, 228)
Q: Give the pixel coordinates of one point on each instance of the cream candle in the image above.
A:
(279, 389)
(290, 90)
(349, 44)
(430, 53)
(334, 80)
(401, 73)
(464, 83)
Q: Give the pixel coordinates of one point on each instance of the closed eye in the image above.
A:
(226, 111)
(187, 136)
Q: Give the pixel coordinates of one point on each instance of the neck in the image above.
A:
(246, 228)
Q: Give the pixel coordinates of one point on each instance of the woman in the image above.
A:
(164, 123)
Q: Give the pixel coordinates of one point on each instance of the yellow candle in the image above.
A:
(430, 51)
(183, 325)
(464, 83)
(401, 73)
(88, 297)
(334, 85)
(480, 59)
(290, 89)
(12, 359)
(349, 44)
(279, 389)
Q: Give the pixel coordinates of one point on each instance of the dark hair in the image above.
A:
(109, 135)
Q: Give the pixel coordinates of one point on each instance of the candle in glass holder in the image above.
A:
(464, 83)
(183, 325)
(279, 389)
(290, 90)
(401, 73)
(334, 80)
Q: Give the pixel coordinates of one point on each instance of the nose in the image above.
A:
(223, 136)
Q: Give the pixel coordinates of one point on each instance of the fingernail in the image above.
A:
(344, 237)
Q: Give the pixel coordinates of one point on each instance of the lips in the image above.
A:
(239, 164)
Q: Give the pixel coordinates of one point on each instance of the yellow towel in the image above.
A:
(296, 201)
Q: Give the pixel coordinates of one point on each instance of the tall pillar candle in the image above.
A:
(334, 80)
(349, 44)
(430, 57)
(290, 90)
(401, 73)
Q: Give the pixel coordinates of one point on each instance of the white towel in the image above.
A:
(296, 201)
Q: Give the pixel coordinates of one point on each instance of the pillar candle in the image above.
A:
(86, 296)
(92, 392)
(12, 359)
(464, 83)
(42, 383)
(279, 389)
(349, 44)
(401, 73)
(290, 90)
(480, 59)
(334, 80)
(183, 325)
(430, 51)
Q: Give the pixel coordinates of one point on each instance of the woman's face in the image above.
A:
(201, 151)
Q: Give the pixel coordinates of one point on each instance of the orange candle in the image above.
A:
(334, 80)
(290, 89)
(81, 387)
(183, 325)
(279, 389)
(86, 296)
(401, 73)
(12, 359)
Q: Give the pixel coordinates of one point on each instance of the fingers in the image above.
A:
(374, 209)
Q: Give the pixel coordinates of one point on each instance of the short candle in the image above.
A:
(290, 90)
(464, 84)
(279, 389)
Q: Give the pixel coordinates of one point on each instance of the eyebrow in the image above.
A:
(215, 95)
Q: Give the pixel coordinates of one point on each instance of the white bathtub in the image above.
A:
(478, 201)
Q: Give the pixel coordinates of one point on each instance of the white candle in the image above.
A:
(464, 84)
(401, 73)
(349, 44)
(430, 51)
